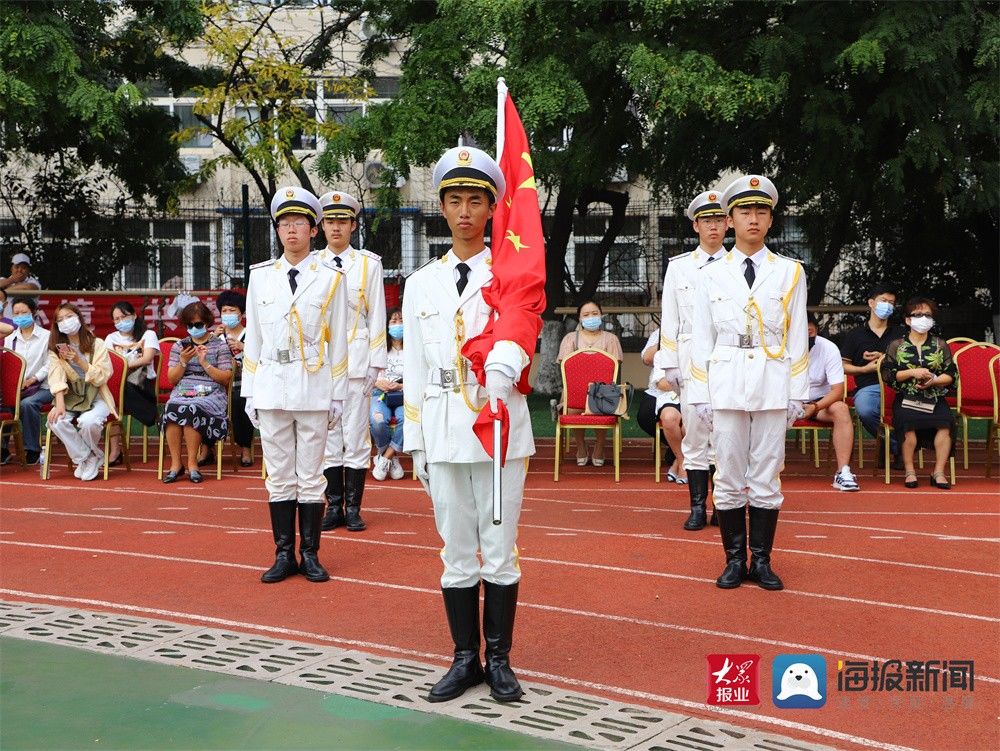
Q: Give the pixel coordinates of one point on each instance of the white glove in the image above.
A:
(704, 412)
(795, 411)
(251, 412)
(336, 410)
(498, 387)
(674, 376)
(370, 380)
(420, 469)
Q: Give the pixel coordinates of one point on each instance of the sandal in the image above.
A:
(581, 461)
(908, 482)
(671, 477)
(941, 484)
(598, 461)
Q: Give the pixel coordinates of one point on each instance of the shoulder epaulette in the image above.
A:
(788, 258)
(368, 253)
(423, 265)
(262, 264)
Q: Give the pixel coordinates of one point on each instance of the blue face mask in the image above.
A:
(884, 309)
(592, 323)
(125, 325)
(231, 320)
(396, 331)
(23, 321)
(197, 333)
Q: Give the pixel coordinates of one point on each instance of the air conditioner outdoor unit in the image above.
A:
(191, 163)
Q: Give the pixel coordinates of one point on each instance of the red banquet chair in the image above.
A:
(12, 370)
(975, 392)
(579, 370)
(116, 385)
(993, 434)
(805, 426)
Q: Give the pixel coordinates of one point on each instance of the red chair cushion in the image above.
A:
(6, 415)
(977, 410)
(571, 420)
(804, 423)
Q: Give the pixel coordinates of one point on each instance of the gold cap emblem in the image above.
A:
(290, 193)
(336, 197)
(464, 158)
(712, 196)
(754, 182)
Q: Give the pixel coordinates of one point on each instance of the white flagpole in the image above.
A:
(497, 424)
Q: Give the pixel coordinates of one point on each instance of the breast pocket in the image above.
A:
(430, 326)
(312, 319)
(774, 312)
(268, 312)
(723, 307)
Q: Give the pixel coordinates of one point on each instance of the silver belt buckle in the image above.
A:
(746, 341)
(447, 378)
(284, 357)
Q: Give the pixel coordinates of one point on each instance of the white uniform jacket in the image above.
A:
(295, 352)
(677, 314)
(750, 346)
(439, 408)
(365, 308)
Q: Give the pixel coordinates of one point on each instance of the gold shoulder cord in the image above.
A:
(460, 364)
(787, 318)
(362, 298)
(324, 335)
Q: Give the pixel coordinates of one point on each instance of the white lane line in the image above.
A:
(560, 534)
(158, 532)
(886, 537)
(399, 533)
(587, 510)
(811, 537)
(82, 531)
(243, 531)
(172, 508)
(689, 540)
(6, 532)
(617, 569)
(235, 508)
(106, 508)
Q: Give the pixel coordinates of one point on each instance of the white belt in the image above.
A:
(448, 378)
(747, 341)
(293, 354)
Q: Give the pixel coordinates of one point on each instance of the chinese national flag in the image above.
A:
(517, 292)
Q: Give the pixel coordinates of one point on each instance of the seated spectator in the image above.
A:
(199, 369)
(826, 403)
(232, 307)
(660, 406)
(19, 281)
(7, 326)
(31, 342)
(139, 346)
(387, 403)
(861, 350)
(589, 334)
(921, 369)
(79, 369)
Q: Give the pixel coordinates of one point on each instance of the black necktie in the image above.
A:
(463, 276)
(750, 274)
(710, 259)
(292, 273)
(336, 260)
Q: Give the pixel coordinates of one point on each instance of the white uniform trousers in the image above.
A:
(349, 443)
(695, 444)
(463, 512)
(84, 438)
(750, 454)
(293, 452)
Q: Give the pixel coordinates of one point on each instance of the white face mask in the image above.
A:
(69, 326)
(921, 325)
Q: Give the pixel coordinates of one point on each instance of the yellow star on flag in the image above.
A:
(515, 240)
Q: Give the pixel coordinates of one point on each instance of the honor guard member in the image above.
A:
(295, 377)
(749, 376)
(676, 326)
(348, 445)
(443, 307)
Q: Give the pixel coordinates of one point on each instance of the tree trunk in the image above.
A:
(548, 376)
(555, 253)
(827, 262)
(618, 201)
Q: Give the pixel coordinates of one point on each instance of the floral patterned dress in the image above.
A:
(935, 355)
(197, 401)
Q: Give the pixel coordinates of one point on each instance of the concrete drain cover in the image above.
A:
(544, 712)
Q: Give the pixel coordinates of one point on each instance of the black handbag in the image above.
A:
(610, 399)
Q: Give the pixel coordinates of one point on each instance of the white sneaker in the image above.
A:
(396, 469)
(91, 467)
(78, 470)
(381, 468)
(844, 480)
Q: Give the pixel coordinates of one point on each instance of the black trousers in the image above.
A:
(242, 427)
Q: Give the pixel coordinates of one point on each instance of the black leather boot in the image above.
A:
(763, 523)
(733, 527)
(310, 519)
(283, 527)
(711, 477)
(698, 490)
(461, 604)
(499, 604)
(354, 488)
(334, 497)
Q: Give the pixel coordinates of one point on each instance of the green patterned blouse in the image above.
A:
(934, 354)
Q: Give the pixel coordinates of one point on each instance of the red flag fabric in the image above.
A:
(483, 428)
(517, 292)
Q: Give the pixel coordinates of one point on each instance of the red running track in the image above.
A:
(616, 598)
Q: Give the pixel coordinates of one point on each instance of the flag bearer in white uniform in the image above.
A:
(749, 377)
(348, 445)
(443, 307)
(295, 377)
(676, 325)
